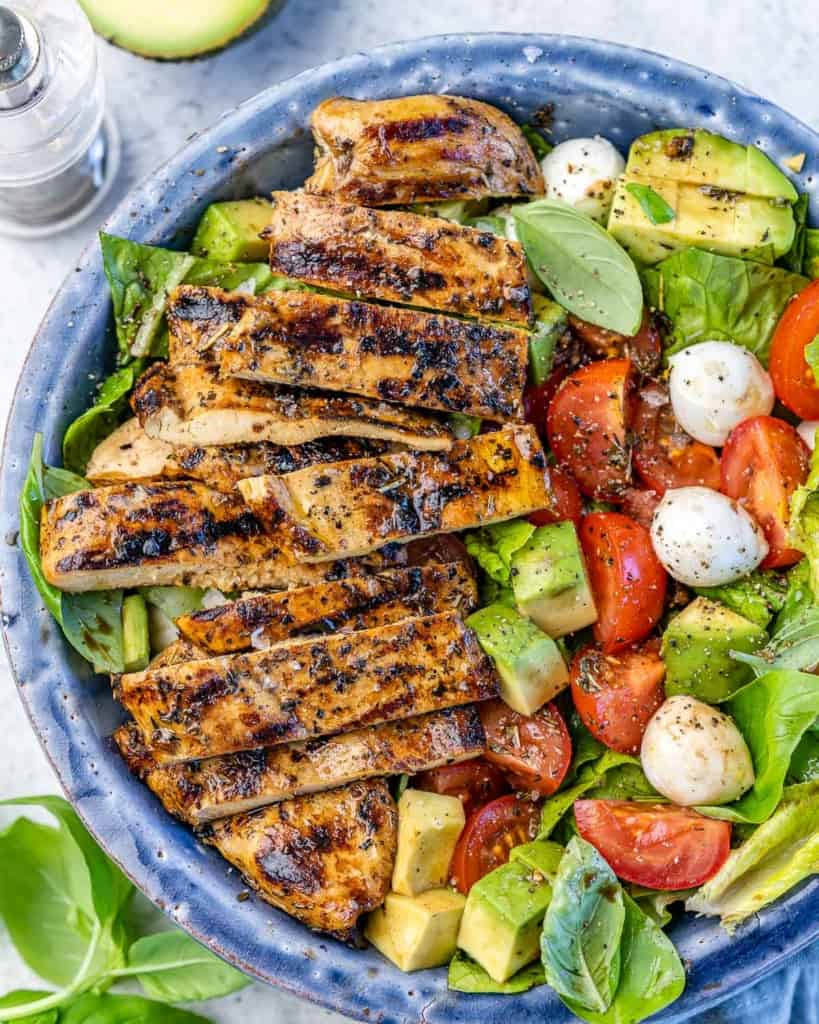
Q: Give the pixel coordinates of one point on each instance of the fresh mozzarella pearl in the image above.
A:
(694, 754)
(714, 386)
(705, 539)
(807, 431)
(583, 173)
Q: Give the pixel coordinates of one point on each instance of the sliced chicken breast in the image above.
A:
(302, 688)
(419, 149)
(326, 859)
(192, 406)
(350, 508)
(398, 256)
(203, 791)
(343, 605)
(400, 355)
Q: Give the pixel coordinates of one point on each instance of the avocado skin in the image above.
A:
(696, 646)
(504, 911)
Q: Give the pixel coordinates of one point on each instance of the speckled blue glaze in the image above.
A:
(595, 87)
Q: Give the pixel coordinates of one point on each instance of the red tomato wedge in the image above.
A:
(627, 580)
(659, 846)
(645, 348)
(474, 782)
(664, 455)
(763, 462)
(566, 501)
(616, 694)
(587, 427)
(533, 751)
(489, 835)
(537, 398)
(793, 380)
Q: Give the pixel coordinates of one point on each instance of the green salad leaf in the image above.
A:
(19, 997)
(651, 203)
(805, 761)
(110, 408)
(757, 596)
(709, 297)
(810, 260)
(466, 975)
(464, 426)
(772, 713)
(580, 943)
(794, 258)
(32, 499)
(493, 546)
(105, 1008)
(583, 267)
(777, 856)
(540, 145)
(174, 601)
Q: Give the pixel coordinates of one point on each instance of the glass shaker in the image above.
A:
(59, 152)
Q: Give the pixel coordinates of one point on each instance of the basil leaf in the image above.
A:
(772, 713)
(583, 267)
(651, 203)
(92, 1008)
(540, 145)
(580, 944)
(466, 975)
(706, 296)
(173, 967)
(104, 416)
(21, 996)
(651, 973)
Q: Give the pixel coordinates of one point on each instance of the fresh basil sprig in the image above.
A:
(64, 905)
(651, 203)
(583, 267)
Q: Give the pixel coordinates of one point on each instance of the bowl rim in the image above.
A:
(198, 149)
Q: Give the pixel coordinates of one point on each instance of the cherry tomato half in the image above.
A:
(534, 751)
(627, 580)
(645, 348)
(664, 455)
(587, 426)
(538, 397)
(489, 835)
(793, 380)
(616, 694)
(763, 462)
(474, 782)
(658, 846)
(566, 501)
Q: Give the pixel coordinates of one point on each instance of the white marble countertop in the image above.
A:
(768, 46)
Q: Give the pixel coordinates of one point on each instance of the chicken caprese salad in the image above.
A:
(450, 533)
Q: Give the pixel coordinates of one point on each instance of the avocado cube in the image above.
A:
(529, 663)
(429, 825)
(700, 157)
(417, 932)
(705, 217)
(136, 643)
(550, 583)
(540, 855)
(230, 231)
(696, 650)
(504, 912)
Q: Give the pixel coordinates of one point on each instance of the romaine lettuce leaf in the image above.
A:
(466, 975)
(780, 854)
(757, 597)
(708, 297)
(492, 547)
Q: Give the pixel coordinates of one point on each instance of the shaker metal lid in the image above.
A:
(21, 71)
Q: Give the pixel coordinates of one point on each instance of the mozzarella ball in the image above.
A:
(705, 539)
(716, 385)
(807, 431)
(583, 173)
(692, 753)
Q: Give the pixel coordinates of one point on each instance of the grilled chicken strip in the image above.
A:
(351, 508)
(326, 859)
(178, 653)
(129, 454)
(203, 791)
(316, 686)
(169, 533)
(343, 605)
(191, 406)
(419, 149)
(399, 355)
(398, 256)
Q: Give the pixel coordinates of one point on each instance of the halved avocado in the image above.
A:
(171, 31)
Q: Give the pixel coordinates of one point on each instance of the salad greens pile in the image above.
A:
(68, 911)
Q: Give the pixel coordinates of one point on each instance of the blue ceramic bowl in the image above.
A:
(595, 87)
